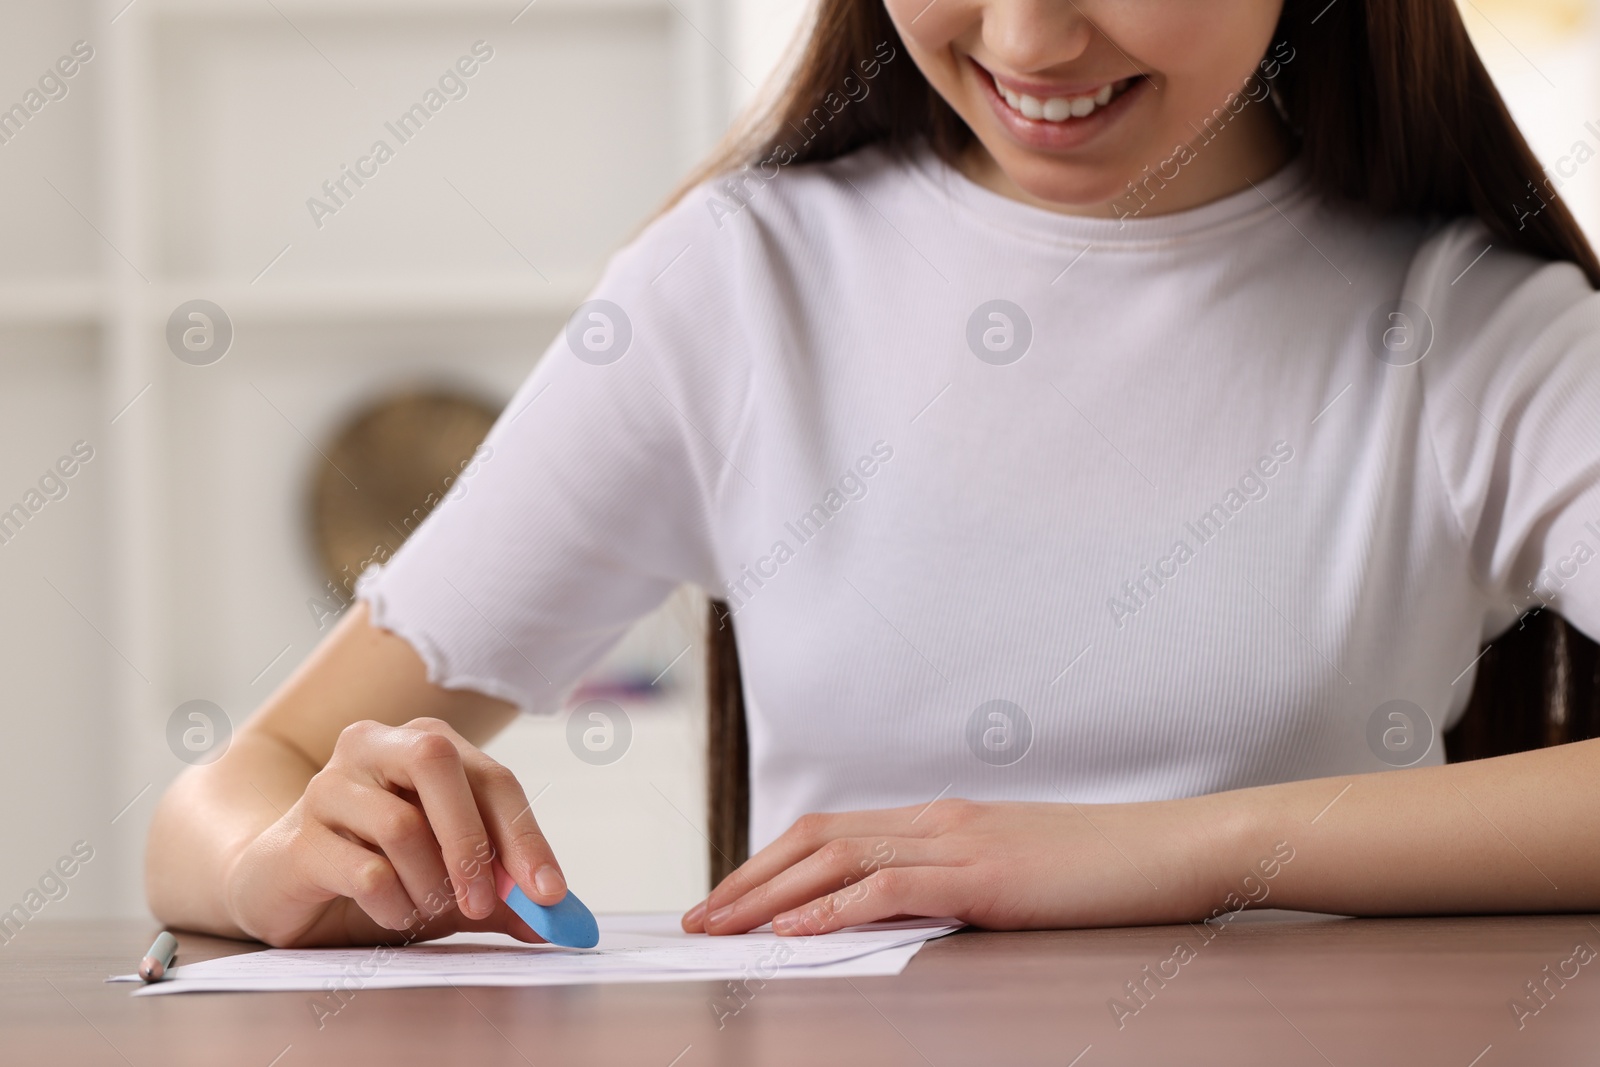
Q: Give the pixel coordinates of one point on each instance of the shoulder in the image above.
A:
(769, 205)
(693, 301)
(714, 234)
(1481, 296)
(770, 243)
(1513, 343)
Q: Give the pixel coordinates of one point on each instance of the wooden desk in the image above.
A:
(1267, 991)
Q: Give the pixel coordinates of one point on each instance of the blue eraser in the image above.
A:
(568, 922)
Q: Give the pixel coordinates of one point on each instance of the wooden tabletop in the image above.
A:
(1278, 990)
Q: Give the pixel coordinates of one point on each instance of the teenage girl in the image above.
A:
(1113, 427)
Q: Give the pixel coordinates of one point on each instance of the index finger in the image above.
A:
(425, 756)
(523, 849)
(808, 834)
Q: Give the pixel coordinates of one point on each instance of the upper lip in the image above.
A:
(1047, 90)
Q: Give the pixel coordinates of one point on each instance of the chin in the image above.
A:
(1070, 184)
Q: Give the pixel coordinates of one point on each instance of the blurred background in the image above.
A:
(220, 311)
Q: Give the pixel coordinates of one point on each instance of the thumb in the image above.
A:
(513, 924)
(500, 921)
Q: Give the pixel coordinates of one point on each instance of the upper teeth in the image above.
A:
(1056, 108)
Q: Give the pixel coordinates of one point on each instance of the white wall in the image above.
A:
(1542, 54)
(178, 165)
(759, 32)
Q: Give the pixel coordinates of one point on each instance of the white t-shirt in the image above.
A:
(1184, 513)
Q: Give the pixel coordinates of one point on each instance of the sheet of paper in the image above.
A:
(632, 948)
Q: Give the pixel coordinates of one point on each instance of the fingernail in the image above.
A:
(480, 897)
(782, 924)
(695, 914)
(721, 915)
(548, 881)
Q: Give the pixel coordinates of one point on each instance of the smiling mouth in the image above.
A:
(1057, 109)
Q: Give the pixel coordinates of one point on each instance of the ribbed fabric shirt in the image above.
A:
(1017, 505)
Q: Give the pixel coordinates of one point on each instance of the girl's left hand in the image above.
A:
(1002, 866)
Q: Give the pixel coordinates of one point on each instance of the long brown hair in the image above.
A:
(1391, 107)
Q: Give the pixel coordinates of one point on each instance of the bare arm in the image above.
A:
(355, 794)
(1511, 834)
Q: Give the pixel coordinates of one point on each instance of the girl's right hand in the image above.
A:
(394, 840)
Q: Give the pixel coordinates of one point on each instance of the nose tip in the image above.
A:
(1036, 40)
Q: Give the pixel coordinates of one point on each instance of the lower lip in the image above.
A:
(1066, 134)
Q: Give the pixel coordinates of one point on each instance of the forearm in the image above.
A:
(1498, 835)
(207, 817)
(212, 814)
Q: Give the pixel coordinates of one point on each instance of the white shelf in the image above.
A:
(61, 302)
(197, 130)
(367, 298)
(82, 302)
(324, 9)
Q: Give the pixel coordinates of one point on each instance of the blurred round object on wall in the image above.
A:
(389, 465)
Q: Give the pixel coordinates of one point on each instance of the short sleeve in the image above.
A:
(1512, 396)
(593, 495)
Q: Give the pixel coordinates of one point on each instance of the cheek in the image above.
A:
(1200, 52)
(929, 31)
